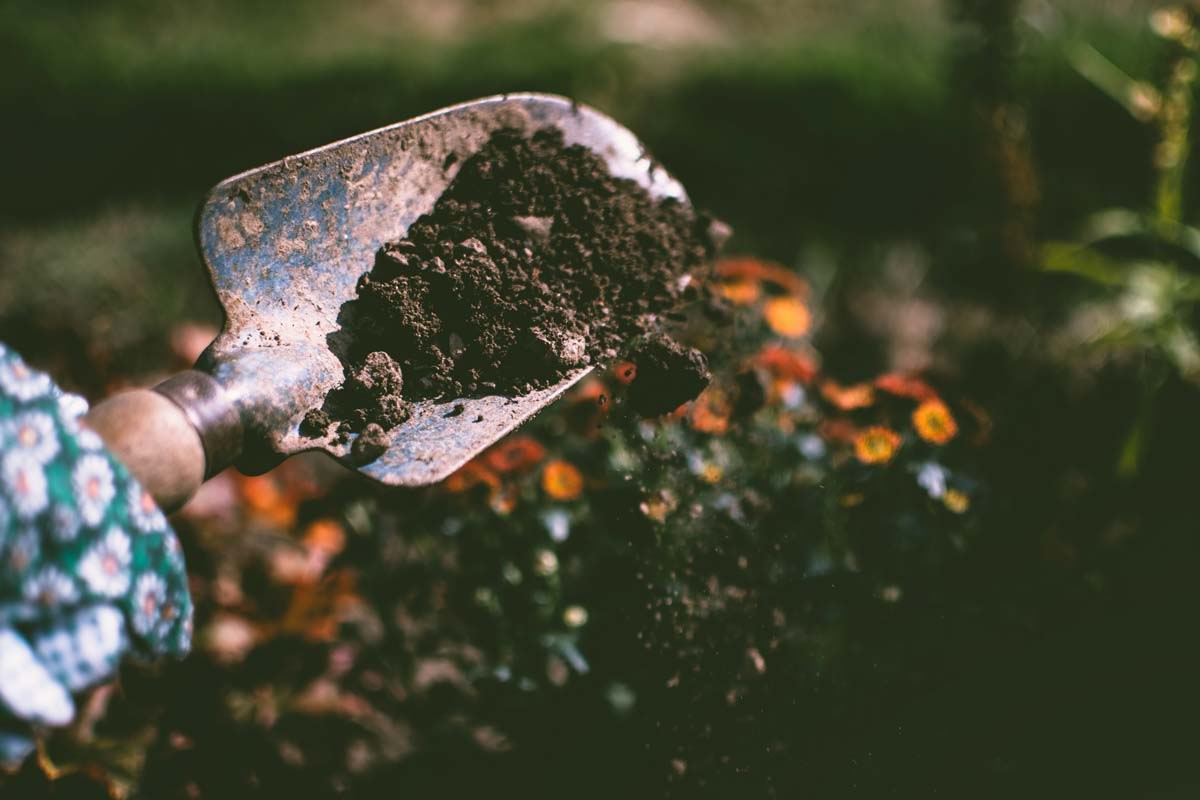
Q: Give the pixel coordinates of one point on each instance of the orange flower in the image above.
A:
(470, 475)
(848, 398)
(904, 386)
(876, 445)
(787, 316)
(266, 499)
(681, 411)
(740, 292)
(625, 371)
(562, 480)
(326, 536)
(933, 422)
(591, 389)
(783, 362)
(316, 609)
(752, 269)
(514, 454)
(260, 492)
(323, 539)
(710, 412)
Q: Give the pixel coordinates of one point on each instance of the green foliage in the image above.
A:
(1147, 259)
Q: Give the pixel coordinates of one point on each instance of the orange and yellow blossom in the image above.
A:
(876, 445)
(934, 423)
(562, 480)
(787, 316)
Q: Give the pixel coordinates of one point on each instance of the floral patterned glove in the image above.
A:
(89, 568)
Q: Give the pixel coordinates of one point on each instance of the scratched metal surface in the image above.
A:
(285, 244)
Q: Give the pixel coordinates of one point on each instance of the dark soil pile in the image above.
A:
(534, 262)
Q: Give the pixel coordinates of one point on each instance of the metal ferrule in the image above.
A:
(213, 415)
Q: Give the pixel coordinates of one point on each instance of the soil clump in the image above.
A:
(534, 262)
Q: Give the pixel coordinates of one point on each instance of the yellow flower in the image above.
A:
(876, 445)
(957, 501)
(562, 480)
(787, 316)
(933, 422)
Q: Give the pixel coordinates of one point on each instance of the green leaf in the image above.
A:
(1140, 99)
(1082, 261)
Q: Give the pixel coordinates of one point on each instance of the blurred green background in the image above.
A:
(798, 121)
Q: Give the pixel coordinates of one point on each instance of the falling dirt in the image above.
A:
(668, 375)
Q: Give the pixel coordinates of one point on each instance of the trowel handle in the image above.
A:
(172, 437)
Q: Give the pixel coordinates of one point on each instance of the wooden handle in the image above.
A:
(152, 437)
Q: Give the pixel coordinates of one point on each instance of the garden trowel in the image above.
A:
(285, 245)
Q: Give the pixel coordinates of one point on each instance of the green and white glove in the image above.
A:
(89, 568)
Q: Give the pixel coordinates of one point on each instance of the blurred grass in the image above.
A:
(212, 96)
(795, 121)
(94, 297)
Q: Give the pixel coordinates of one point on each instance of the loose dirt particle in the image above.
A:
(315, 423)
(370, 444)
(667, 375)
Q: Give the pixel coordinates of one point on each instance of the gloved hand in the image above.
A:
(89, 568)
